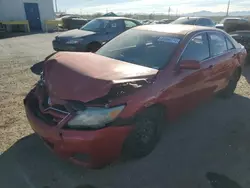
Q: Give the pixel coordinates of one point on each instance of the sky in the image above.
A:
(150, 6)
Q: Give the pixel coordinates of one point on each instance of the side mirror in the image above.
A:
(189, 64)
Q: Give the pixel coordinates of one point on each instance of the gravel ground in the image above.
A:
(208, 143)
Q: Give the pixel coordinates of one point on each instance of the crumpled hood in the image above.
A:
(87, 76)
(76, 33)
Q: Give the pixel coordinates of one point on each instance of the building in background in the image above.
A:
(35, 11)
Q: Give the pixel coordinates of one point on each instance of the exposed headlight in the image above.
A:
(74, 41)
(95, 117)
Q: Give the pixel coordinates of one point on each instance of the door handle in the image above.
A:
(234, 56)
(211, 66)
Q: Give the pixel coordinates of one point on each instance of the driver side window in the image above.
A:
(197, 48)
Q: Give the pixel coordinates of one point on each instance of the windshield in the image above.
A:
(95, 25)
(185, 21)
(146, 48)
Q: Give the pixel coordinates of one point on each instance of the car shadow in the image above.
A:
(5, 35)
(221, 181)
(212, 138)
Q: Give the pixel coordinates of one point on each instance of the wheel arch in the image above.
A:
(158, 108)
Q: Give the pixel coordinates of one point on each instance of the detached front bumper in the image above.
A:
(92, 149)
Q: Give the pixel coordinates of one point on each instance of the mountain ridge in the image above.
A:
(209, 13)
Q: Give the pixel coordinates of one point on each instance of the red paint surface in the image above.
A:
(102, 146)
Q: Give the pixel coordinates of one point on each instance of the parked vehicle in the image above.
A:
(228, 21)
(200, 21)
(243, 37)
(72, 22)
(147, 22)
(94, 107)
(91, 36)
(164, 21)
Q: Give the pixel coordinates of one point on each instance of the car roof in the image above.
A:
(178, 29)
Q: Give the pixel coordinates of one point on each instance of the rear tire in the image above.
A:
(232, 84)
(145, 136)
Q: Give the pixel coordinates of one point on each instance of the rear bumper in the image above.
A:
(67, 47)
(92, 149)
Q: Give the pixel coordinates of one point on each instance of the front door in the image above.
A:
(33, 16)
(192, 86)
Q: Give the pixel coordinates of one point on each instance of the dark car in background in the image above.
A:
(226, 22)
(91, 36)
(200, 21)
(72, 22)
(243, 37)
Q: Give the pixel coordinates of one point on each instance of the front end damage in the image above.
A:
(88, 135)
(121, 88)
(86, 115)
(77, 114)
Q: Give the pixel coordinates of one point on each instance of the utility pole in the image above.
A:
(228, 6)
(56, 6)
(169, 9)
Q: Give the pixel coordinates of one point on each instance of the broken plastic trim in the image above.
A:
(120, 90)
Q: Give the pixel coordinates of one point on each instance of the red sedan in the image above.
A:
(93, 108)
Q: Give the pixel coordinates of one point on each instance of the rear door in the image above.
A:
(224, 58)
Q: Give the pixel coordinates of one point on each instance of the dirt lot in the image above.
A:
(214, 138)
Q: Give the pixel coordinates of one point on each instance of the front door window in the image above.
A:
(197, 49)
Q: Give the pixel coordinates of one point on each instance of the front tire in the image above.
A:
(232, 84)
(145, 136)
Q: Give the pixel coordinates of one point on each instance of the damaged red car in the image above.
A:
(94, 108)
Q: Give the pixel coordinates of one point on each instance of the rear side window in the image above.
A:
(218, 44)
(197, 48)
(115, 26)
(230, 45)
(129, 24)
(204, 22)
